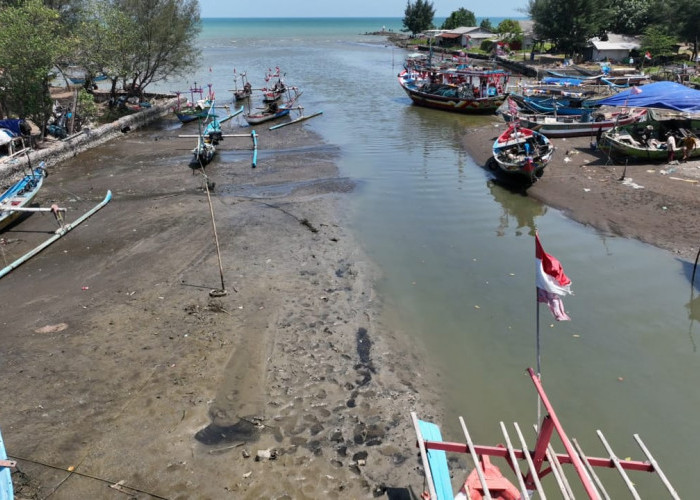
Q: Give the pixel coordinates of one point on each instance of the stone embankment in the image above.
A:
(53, 153)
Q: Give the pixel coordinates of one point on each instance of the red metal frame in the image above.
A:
(550, 423)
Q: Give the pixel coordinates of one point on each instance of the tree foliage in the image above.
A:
(486, 24)
(510, 30)
(460, 17)
(569, 23)
(418, 16)
(658, 42)
(30, 43)
(166, 32)
(630, 17)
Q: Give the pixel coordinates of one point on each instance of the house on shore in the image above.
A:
(616, 48)
(465, 36)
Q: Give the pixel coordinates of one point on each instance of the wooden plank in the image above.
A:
(475, 458)
(514, 461)
(591, 471)
(616, 461)
(657, 469)
(424, 457)
(530, 463)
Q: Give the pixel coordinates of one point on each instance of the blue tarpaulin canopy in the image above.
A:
(668, 95)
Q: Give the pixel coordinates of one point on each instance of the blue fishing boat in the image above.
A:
(6, 491)
(19, 195)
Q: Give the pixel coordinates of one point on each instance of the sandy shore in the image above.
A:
(122, 369)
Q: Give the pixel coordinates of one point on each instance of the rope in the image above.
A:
(82, 474)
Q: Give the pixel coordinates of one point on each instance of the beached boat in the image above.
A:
(245, 90)
(209, 136)
(20, 195)
(549, 105)
(274, 110)
(194, 109)
(488, 481)
(521, 154)
(6, 489)
(462, 91)
(648, 140)
(587, 124)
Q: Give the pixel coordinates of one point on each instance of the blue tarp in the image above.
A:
(667, 95)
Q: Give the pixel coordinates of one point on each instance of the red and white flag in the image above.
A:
(636, 90)
(552, 283)
(647, 55)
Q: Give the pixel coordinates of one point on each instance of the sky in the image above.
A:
(352, 8)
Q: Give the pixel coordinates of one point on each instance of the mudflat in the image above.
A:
(123, 368)
(128, 376)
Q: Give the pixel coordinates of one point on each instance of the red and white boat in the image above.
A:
(521, 153)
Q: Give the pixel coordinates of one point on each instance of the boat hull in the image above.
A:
(422, 95)
(574, 126)
(20, 195)
(265, 117)
(521, 155)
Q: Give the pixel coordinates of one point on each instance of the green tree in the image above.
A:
(104, 43)
(461, 17)
(418, 16)
(630, 17)
(658, 42)
(486, 24)
(164, 43)
(510, 31)
(30, 43)
(569, 24)
(686, 22)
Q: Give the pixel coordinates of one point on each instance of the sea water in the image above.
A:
(458, 256)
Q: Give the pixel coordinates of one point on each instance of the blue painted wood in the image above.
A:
(438, 461)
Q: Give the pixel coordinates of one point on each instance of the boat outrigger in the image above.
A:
(60, 232)
(486, 480)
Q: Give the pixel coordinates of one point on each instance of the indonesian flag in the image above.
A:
(647, 55)
(512, 108)
(552, 283)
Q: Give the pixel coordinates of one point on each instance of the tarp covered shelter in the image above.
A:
(667, 95)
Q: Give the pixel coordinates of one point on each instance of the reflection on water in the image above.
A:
(516, 206)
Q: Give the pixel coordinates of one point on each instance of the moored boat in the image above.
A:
(587, 124)
(462, 91)
(649, 140)
(19, 195)
(521, 154)
(273, 109)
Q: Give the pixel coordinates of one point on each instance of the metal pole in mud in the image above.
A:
(222, 292)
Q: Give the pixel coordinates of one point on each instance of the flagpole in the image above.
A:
(537, 343)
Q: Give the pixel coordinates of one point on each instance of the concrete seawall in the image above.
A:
(11, 170)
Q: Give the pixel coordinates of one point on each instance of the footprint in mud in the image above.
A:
(240, 431)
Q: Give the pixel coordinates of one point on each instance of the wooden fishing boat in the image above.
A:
(246, 89)
(648, 140)
(461, 91)
(487, 480)
(20, 195)
(521, 154)
(194, 109)
(209, 136)
(273, 110)
(587, 124)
